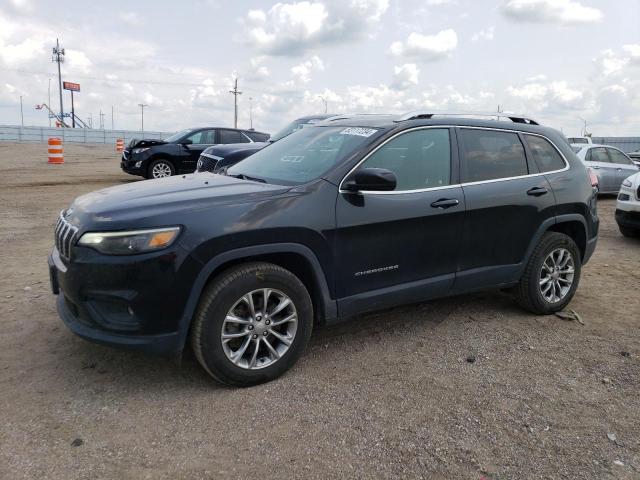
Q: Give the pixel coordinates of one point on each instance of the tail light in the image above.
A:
(593, 177)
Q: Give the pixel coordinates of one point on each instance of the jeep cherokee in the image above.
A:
(340, 218)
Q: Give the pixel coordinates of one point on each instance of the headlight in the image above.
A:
(626, 183)
(130, 242)
(140, 150)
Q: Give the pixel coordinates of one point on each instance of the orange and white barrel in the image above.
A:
(56, 155)
(119, 145)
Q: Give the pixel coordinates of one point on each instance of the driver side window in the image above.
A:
(419, 159)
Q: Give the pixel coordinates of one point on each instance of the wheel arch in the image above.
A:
(160, 156)
(297, 258)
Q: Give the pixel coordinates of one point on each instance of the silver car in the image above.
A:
(610, 165)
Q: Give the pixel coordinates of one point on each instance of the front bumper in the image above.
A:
(628, 219)
(128, 164)
(134, 302)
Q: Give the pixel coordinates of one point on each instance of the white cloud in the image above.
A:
(302, 72)
(130, 18)
(551, 11)
(290, 29)
(427, 47)
(405, 76)
(485, 34)
(435, 3)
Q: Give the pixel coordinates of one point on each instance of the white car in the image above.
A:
(628, 207)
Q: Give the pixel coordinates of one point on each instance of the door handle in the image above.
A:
(619, 169)
(596, 167)
(537, 191)
(445, 203)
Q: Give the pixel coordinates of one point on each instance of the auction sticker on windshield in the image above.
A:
(359, 131)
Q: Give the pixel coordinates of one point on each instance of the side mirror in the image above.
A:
(187, 142)
(373, 179)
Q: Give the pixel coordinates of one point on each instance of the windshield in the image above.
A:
(292, 127)
(177, 136)
(303, 155)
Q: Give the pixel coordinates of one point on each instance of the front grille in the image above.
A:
(65, 236)
(206, 164)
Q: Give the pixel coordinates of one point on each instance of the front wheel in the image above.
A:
(551, 276)
(252, 324)
(160, 169)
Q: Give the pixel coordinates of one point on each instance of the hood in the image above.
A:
(224, 150)
(143, 202)
(145, 142)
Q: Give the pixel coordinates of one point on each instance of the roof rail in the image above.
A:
(346, 116)
(421, 114)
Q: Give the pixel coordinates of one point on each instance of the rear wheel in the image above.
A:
(252, 324)
(160, 169)
(552, 275)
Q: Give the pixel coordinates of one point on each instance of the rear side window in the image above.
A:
(419, 159)
(544, 154)
(231, 136)
(257, 136)
(490, 154)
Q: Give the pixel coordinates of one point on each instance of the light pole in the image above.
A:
(235, 94)
(251, 113)
(142, 105)
(21, 114)
(324, 100)
(58, 57)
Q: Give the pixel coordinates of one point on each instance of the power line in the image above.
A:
(235, 94)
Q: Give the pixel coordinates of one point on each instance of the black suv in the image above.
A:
(219, 156)
(336, 219)
(152, 158)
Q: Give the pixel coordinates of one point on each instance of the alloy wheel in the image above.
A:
(259, 328)
(161, 170)
(556, 275)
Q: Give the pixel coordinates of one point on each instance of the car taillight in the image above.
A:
(593, 177)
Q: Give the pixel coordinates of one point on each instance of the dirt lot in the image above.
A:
(390, 395)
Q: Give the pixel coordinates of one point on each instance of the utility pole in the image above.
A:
(21, 114)
(90, 120)
(250, 113)
(112, 117)
(49, 104)
(58, 57)
(142, 105)
(101, 120)
(324, 100)
(235, 94)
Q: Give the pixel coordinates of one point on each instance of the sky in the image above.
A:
(561, 62)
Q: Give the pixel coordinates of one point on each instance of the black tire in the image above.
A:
(528, 292)
(220, 296)
(629, 232)
(168, 167)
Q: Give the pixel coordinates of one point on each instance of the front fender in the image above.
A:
(212, 265)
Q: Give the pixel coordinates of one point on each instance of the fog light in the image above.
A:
(130, 310)
(138, 164)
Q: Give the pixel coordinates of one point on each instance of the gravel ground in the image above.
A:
(469, 387)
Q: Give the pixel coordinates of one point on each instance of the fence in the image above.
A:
(13, 133)
(626, 144)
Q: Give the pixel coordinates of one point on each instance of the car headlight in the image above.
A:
(626, 183)
(140, 150)
(130, 242)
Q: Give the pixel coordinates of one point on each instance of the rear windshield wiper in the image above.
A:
(242, 176)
